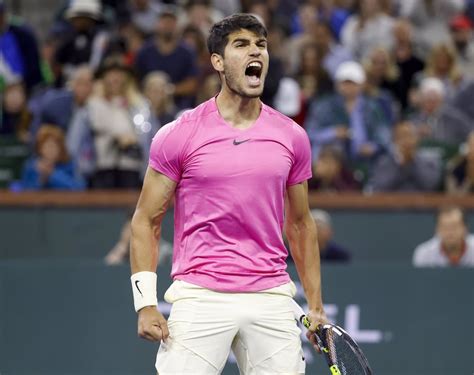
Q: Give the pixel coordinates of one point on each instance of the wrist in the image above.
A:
(144, 290)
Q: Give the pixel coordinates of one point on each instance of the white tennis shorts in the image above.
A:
(205, 326)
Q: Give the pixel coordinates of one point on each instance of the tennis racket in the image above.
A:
(342, 353)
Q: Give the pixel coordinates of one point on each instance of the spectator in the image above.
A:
(332, 52)
(19, 54)
(348, 120)
(120, 252)
(331, 174)
(227, 7)
(158, 89)
(133, 40)
(462, 100)
(52, 167)
(442, 64)
(86, 43)
(451, 246)
(406, 59)
(144, 14)
(306, 18)
(261, 9)
(118, 116)
(166, 53)
(441, 127)
(196, 41)
(430, 19)
(200, 14)
(329, 250)
(79, 135)
(404, 168)
(15, 117)
(383, 82)
(460, 170)
(334, 15)
(366, 29)
(462, 37)
(61, 105)
(312, 76)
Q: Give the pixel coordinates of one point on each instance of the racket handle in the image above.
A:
(299, 314)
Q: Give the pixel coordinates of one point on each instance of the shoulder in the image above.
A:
(426, 248)
(199, 113)
(470, 242)
(188, 120)
(30, 164)
(183, 49)
(283, 122)
(146, 49)
(386, 159)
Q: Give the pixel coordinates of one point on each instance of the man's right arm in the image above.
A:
(156, 194)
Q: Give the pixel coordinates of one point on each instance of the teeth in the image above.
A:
(254, 64)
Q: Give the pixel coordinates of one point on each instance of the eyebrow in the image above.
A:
(246, 40)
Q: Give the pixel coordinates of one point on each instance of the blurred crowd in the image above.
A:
(382, 87)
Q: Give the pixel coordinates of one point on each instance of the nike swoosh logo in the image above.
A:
(136, 284)
(236, 142)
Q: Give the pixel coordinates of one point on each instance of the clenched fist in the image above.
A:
(152, 325)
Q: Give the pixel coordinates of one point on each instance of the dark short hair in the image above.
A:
(220, 31)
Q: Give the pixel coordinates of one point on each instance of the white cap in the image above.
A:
(287, 99)
(431, 84)
(350, 71)
(84, 8)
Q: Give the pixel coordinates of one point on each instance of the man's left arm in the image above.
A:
(300, 230)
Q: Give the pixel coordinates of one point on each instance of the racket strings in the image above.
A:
(343, 354)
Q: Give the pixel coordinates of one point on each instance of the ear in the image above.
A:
(217, 62)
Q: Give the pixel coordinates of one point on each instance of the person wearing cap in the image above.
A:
(166, 53)
(348, 120)
(19, 53)
(87, 42)
(329, 250)
(441, 127)
(460, 27)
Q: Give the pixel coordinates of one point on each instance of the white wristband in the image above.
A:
(144, 289)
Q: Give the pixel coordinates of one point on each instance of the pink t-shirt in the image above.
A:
(229, 201)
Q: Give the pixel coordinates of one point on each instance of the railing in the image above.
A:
(114, 198)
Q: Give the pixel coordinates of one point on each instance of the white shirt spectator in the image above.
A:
(376, 31)
(431, 254)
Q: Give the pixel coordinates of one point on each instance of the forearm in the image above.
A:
(304, 249)
(143, 243)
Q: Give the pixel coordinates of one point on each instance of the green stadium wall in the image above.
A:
(76, 317)
(52, 232)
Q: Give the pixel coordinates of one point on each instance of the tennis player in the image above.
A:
(230, 163)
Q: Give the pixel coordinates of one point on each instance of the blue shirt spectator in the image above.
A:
(19, 55)
(166, 53)
(348, 120)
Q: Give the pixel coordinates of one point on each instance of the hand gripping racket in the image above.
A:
(342, 353)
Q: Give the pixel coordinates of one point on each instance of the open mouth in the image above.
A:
(253, 73)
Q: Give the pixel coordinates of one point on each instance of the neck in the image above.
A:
(454, 249)
(239, 111)
(350, 103)
(165, 46)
